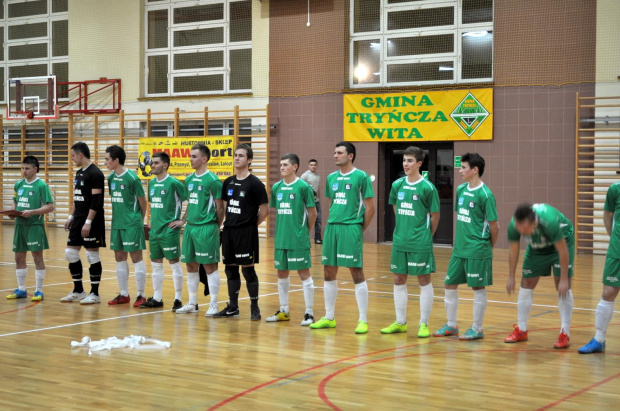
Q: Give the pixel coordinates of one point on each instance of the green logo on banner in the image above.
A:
(469, 114)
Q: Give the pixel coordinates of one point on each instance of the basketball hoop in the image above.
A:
(21, 117)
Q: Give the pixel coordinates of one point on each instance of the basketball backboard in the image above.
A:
(32, 96)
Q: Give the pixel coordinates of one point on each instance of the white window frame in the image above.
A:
(171, 50)
(457, 29)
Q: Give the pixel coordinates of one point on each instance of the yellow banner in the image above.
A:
(419, 116)
(178, 148)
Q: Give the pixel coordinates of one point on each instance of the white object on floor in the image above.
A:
(136, 342)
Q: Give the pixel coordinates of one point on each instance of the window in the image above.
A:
(418, 42)
(34, 40)
(198, 47)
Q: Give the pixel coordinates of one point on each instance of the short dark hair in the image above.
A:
(474, 160)
(117, 152)
(416, 152)
(203, 149)
(524, 212)
(81, 148)
(247, 148)
(291, 157)
(313, 160)
(350, 148)
(163, 156)
(31, 160)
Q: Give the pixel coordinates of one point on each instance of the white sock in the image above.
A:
(158, 280)
(39, 276)
(604, 312)
(177, 279)
(140, 271)
(213, 280)
(427, 294)
(330, 288)
(308, 286)
(122, 275)
(400, 303)
(361, 295)
(284, 284)
(480, 306)
(565, 306)
(21, 274)
(451, 301)
(524, 305)
(193, 279)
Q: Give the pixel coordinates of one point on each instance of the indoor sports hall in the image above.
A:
(532, 86)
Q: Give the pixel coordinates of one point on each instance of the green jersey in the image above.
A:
(414, 204)
(291, 202)
(124, 192)
(347, 193)
(475, 208)
(612, 204)
(202, 192)
(552, 227)
(166, 198)
(30, 196)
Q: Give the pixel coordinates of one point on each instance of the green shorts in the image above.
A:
(343, 245)
(291, 259)
(403, 262)
(541, 265)
(127, 239)
(201, 244)
(29, 238)
(474, 272)
(611, 272)
(167, 246)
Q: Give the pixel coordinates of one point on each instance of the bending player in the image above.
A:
(472, 256)
(166, 195)
(350, 213)
(416, 207)
(293, 200)
(33, 198)
(86, 226)
(127, 235)
(550, 248)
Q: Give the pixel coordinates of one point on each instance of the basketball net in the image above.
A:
(21, 117)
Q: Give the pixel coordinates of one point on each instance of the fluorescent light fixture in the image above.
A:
(378, 73)
(445, 68)
(475, 34)
(375, 44)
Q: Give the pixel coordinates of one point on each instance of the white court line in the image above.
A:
(115, 318)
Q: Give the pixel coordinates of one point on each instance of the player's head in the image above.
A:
(525, 219)
(79, 152)
(289, 163)
(161, 162)
(243, 156)
(344, 153)
(413, 157)
(199, 156)
(312, 165)
(30, 167)
(114, 156)
(472, 164)
(204, 150)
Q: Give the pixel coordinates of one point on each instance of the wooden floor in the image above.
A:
(240, 364)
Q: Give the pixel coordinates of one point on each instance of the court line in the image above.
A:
(22, 308)
(577, 393)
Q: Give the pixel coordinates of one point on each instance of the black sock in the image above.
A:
(251, 282)
(234, 285)
(95, 277)
(76, 274)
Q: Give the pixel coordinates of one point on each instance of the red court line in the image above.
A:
(577, 393)
(22, 308)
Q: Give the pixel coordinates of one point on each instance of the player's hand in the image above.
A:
(563, 287)
(86, 230)
(26, 213)
(176, 224)
(68, 224)
(510, 285)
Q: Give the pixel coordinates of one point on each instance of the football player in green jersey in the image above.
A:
(33, 198)
(127, 235)
(350, 213)
(293, 200)
(472, 255)
(416, 209)
(550, 249)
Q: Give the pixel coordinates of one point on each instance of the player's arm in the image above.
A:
(263, 212)
(311, 217)
(96, 202)
(69, 219)
(370, 211)
(562, 249)
(143, 205)
(434, 222)
(608, 220)
(513, 259)
(45, 209)
(180, 222)
(494, 229)
(220, 211)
